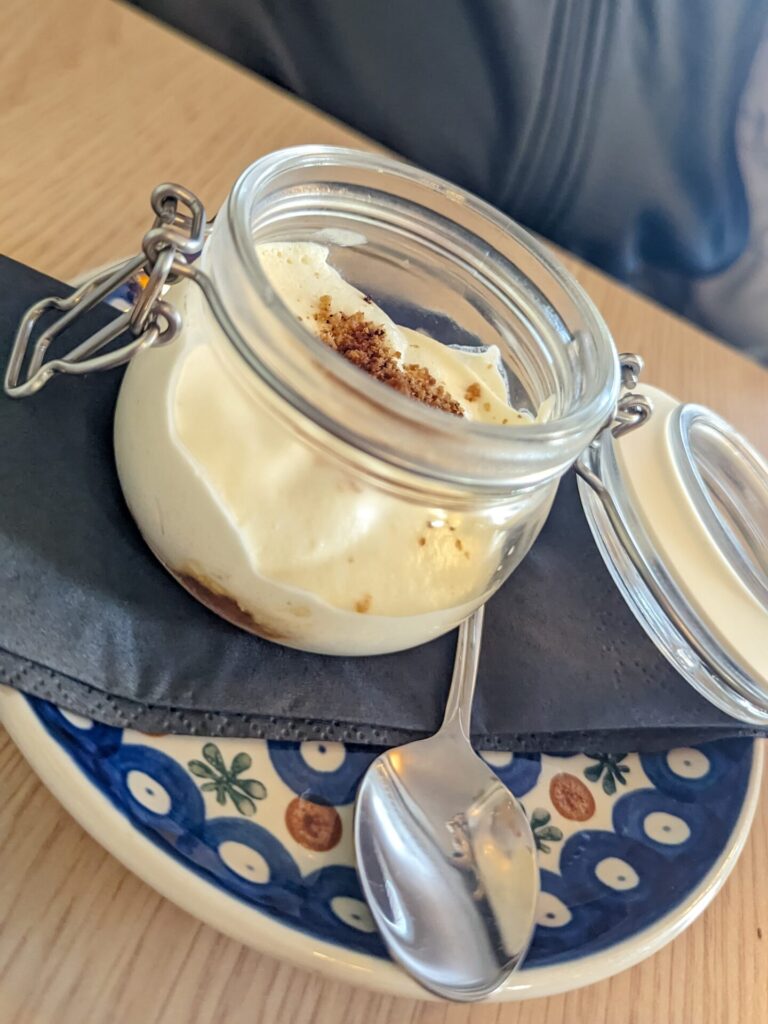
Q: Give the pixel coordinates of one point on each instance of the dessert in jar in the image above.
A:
(363, 446)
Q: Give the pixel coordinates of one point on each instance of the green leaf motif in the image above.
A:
(225, 782)
(240, 763)
(253, 788)
(609, 767)
(543, 832)
(212, 755)
(551, 833)
(243, 803)
(539, 817)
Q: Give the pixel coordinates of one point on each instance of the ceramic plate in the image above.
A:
(255, 838)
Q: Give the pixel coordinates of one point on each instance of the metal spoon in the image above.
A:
(445, 853)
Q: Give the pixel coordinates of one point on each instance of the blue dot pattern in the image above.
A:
(522, 774)
(336, 787)
(601, 916)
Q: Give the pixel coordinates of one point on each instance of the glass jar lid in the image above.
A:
(679, 511)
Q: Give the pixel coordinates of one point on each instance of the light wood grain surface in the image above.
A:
(97, 105)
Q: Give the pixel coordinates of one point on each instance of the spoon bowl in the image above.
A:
(445, 853)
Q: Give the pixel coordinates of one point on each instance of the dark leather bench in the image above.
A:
(609, 127)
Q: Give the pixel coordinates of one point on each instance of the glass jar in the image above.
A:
(302, 499)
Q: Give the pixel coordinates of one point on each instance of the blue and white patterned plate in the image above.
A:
(255, 838)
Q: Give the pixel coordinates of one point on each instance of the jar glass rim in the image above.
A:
(727, 481)
(506, 453)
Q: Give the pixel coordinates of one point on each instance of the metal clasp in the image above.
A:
(632, 410)
(176, 236)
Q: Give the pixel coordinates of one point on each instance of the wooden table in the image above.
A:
(98, 105)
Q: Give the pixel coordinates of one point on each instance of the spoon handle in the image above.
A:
(458, 708)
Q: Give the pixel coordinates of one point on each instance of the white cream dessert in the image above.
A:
(275, 535)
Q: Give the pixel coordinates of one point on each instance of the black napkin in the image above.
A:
(89, 619)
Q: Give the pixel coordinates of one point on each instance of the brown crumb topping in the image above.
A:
(473, 392)
(365, 345)
(364, 604)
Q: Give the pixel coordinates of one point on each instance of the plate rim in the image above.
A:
(112, 830)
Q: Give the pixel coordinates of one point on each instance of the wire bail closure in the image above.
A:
(176, 236)
(632, 410)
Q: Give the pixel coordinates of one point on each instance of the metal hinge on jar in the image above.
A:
(174, 239)
(632, 410)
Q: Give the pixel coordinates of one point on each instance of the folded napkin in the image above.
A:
(89, 619)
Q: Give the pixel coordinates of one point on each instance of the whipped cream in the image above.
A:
(283, 539)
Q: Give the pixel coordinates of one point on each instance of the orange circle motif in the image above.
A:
(571, 798)
(314, 826)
